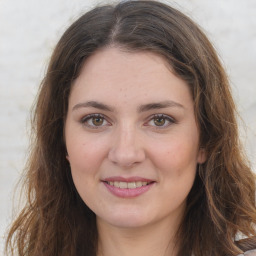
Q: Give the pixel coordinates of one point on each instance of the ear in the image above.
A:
(201, 158)
(67, 157)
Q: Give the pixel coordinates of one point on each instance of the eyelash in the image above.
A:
(85, 121)
(167, 118)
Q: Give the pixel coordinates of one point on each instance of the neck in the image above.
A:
(156, 239)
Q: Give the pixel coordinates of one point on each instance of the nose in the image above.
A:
(126, 148)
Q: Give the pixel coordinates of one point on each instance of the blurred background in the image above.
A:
(29, 30)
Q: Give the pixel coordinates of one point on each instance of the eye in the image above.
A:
(160, 121)
(95, 121)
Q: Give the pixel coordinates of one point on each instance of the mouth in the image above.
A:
(128, 185)
(128, 188)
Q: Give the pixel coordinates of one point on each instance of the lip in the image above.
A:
(127, 192)
(129, 179)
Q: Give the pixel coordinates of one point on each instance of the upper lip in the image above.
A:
(129, 179)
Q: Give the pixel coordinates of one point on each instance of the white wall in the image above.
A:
(29, 30)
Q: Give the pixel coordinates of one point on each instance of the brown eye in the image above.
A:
(97, 120)
(159, 121)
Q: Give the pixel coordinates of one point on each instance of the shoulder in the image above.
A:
(248, 246)
(249, 253)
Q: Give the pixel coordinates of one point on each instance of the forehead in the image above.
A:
(121, 76)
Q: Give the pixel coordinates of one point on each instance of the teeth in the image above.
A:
(130, 185)
(123, 185)
(139, 184)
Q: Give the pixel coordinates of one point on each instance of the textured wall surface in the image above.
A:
(29, 30)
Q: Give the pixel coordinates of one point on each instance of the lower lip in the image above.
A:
(128, 192)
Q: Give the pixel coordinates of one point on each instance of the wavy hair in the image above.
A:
(221, 204)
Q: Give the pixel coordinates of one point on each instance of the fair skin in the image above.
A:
(133, 148)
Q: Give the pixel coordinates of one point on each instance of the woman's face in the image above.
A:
(132, 138)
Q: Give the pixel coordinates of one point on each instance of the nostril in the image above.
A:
(125, 158)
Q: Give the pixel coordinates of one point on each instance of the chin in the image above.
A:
(128, 223)
(126, 219)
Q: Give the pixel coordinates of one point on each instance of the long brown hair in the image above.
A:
(221, 204)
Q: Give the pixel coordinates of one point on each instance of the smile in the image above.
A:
(130, 185)
(128, 188)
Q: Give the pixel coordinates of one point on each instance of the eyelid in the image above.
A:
(84, 120)
(170, 119)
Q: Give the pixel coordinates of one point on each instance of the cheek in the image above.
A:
(85, 151)
(85, 164)
(178, 163)
(175, 155)
(85, 159)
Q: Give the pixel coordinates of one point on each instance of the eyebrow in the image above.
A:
(159, 105)
(142, 108)
(93, 104)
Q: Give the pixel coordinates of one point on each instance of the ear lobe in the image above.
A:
(67, 157)
(201, 158)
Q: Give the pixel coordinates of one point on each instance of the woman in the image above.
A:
(136, 148)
